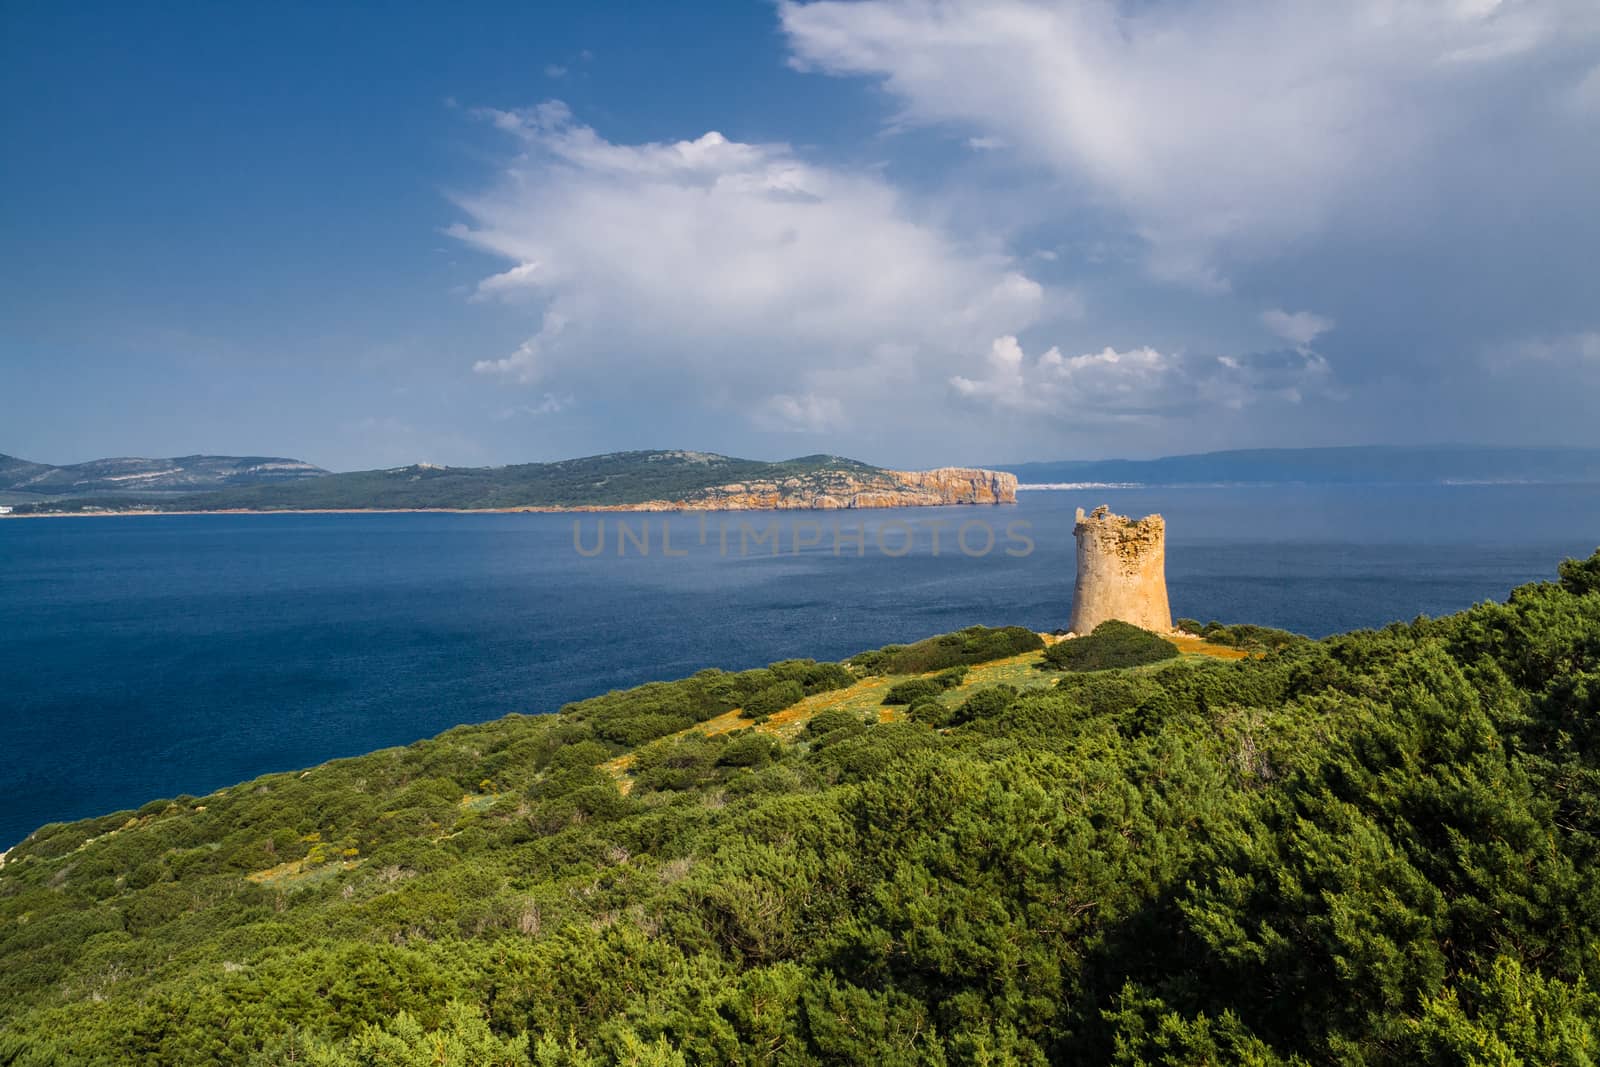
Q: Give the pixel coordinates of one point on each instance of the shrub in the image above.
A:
(813, 677)
(631, 717)
(1581, 577)
(749, 749)
(582, 754)
(914, 690)
(865, 753)
(1109, 694)
(917, 688)
(630, 732)
(825, 722)
(685, 763)
(930, 712)
(1113, 644)
(1248, 637)
(875, 661)
(985, 702)
(975, 644)
(772, 700)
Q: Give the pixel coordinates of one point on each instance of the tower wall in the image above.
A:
(1122, 571)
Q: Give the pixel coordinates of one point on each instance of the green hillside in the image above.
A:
(23, 481)
(615, 478)
(1378, 848)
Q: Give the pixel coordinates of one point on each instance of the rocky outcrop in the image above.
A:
(842, 489)
(963, 485)
(1121, 572)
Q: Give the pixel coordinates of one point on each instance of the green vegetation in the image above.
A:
(617, 478)
(976, 644)
(918, 689)
(1241, 635)
(1381, 848)
(1113, 644)
(772, 699)
(913, 691)
(984, 704)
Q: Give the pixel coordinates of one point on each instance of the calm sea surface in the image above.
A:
(144, 657)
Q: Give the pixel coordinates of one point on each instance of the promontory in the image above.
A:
(619, 481)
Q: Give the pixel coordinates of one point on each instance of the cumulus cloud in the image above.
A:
(742, 272)
(526, 364)
(1256, 152)
(1136, 383)
(1225, 129)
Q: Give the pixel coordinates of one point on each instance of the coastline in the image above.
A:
(537, 509)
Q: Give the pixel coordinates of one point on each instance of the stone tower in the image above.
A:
(1122, 572)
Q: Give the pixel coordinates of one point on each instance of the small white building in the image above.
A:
(4, 510)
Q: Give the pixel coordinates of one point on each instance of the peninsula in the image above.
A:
(619, 481)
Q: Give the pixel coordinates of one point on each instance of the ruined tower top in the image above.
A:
(1122, 571)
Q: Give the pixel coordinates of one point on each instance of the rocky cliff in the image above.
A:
(837, 489)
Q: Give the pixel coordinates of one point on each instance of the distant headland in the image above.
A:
(1352, 465)
(619, 481)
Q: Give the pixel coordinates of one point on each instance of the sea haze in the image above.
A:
(143, 657)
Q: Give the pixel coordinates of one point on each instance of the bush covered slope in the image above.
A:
(1379, 848)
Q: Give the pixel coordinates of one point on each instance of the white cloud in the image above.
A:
(809, 413)
(519, 278)
(740, 273)
(549, 404)
(527, 363)
(1223, 129)
(1137, 383)
(555, 70)
(1299, 328)
(1573, 351)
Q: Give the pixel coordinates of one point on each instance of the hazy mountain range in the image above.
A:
(1367, 464)
(624, 479)
(24, 480)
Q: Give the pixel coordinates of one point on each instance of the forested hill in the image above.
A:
(1380, 848)
(618, 479)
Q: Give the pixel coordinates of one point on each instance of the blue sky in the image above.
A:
(915, 232)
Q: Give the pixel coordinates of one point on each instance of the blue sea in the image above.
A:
(144, 657)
